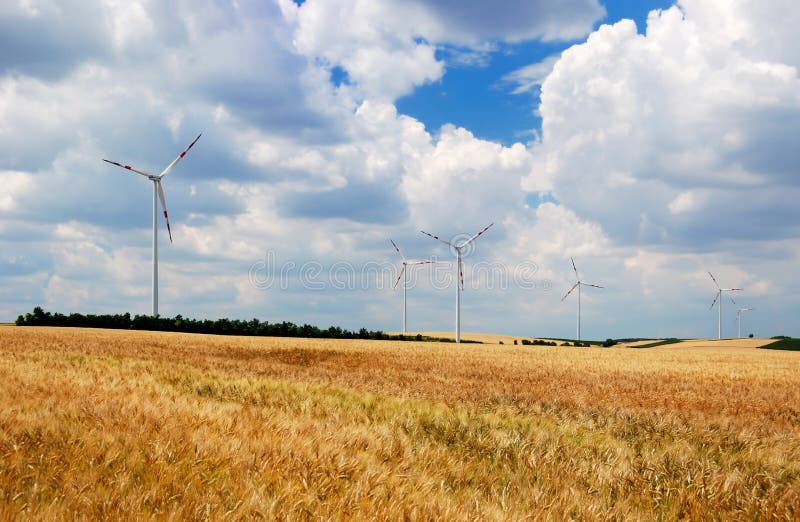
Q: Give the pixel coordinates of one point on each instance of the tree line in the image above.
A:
(253, 327)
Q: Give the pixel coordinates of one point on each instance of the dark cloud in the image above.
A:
(365, 202)
(119, 200)
(24, 263)
(50, 43)
(515, 20)
(771, 147)
(274, 105)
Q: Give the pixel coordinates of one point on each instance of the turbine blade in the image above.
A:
(164, 206)
(732, 289)
(461, 273)
(399, 275)
(715, 300)
(397, 249)
(411, 263)
(731, 298)
(713, 279)
(575, 269)
(473, 238)
(570, 291)
(128, 167)
(437, 238)
(588, 284)
(180, 157)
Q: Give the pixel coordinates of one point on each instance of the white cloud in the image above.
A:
(531, 77)
(688, 201)
(756, 29)
(66, 294)
(13, 183)
(693, 120)
(130, 23)
(461, 182)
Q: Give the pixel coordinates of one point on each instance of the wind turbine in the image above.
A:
(578, 284)
(460, 269)
(739, 318)
(158, 193)
(718, 297)
(404, 274)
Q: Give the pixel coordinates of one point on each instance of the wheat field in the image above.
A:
(102, 424)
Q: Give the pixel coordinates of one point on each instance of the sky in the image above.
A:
(651, 141)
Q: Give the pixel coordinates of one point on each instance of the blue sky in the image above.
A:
(652, 142)
(477, 98)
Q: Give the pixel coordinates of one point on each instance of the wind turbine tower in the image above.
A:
(718, 297)
(460, 268)
(739, 318)
(578, 284)
(158, 193)
(404, 274)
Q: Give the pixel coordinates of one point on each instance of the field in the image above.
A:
(688, 343)
(131, 425)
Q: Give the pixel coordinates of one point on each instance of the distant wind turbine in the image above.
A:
(404, 274)
(460, 269)
(578, 284)
(158, 193)
(739, 318)
(718, 297)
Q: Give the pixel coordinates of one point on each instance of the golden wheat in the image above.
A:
(130, 425)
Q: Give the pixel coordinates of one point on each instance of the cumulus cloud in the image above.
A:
(679, 136)
(462, 181)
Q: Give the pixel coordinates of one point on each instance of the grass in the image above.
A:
(785, 343)
(131, 425)
(662, 342)
(573, 341)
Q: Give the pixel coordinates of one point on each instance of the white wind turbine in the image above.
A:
(158, 193)
(459, 268)
(739, 318)
(404, 274)
(718, 297)
(578, 284)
